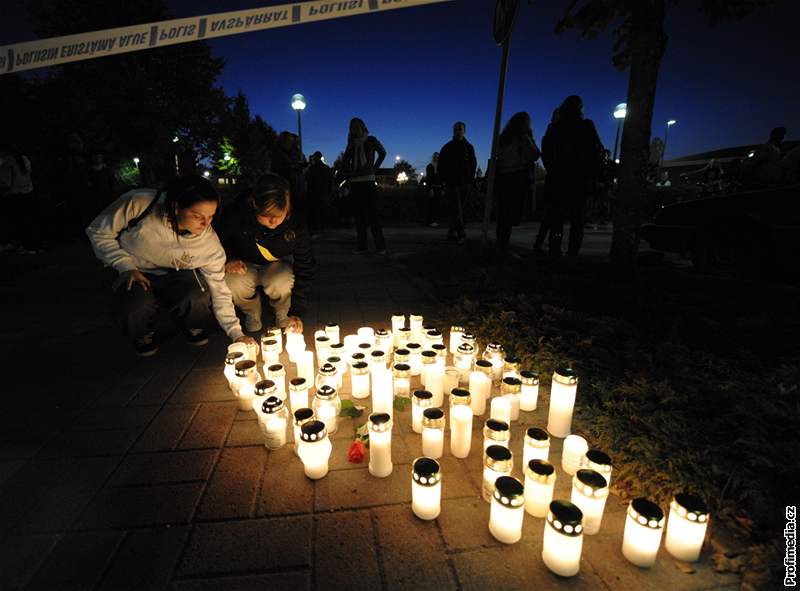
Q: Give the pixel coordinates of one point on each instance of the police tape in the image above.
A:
(83, 46)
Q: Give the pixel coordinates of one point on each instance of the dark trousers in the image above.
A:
(434, 198)
(456, 195)
(513, 191)
(179, 292)
(574, 212)
(365, 210)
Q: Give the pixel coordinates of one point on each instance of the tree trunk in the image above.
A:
(647, 43)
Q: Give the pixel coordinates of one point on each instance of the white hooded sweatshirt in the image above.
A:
(151, 246)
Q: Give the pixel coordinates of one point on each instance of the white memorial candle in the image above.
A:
(270, 351)
(301, 417)
(501, 409)
(384, 341)
(415, 326)
(332, 330)
(298, 394)
(441, 353)
(433, 336)
(366, 334)
(529, 396)
(262, 390)
(382, 393)
(420, 400)
(563, 539)
(326, 376)
(511, 366)
(365, 348)
(231, 359)
(294, 344)
(536, 445)
(644, 525)
(451, 376)
(589, 493)
(686, 527)
(495, 355)
(415, 358)
(433, 432)
(274, 421)
(480, 388)
(350, 344)
(277, 374)
(574, 448)
(540, 480)
(377, 360)
(380, 444)
(463, 360)
(402, 381)
(244, 384)
(322, 345)
(599, 461)
(426, 488)
(275, 333)
(305, 366)
(510, 388)
(314, 449)
(428, 359)
(495, 433)
(497, 461)
(562, 401)
(456, 332)
(327, 406)
(359, 380)
(398, 322)
(341, 369)
(434, 383)
(404, 336)
(507, 512)
(460, 423)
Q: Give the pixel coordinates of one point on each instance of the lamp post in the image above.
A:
(619, 114)
(298, 104)
(670, 123)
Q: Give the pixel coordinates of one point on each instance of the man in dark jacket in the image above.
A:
(433, 184)
(269, 249)
(319, 184)
(457, 166)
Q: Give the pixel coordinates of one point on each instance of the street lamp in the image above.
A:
(402, 177)
(670, 123)
(298, 104)
(397, 158)
(619, 114)
(136, 161)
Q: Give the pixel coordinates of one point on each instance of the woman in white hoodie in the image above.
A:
(167, 255)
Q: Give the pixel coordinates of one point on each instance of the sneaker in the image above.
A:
(144, 346)
(196, 336)
(252, 324)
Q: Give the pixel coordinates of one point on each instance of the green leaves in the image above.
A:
(351, 410)
(400, 402)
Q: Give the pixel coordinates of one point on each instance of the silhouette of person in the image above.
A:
(362, 159)
(457, 166)
(433, 184)
(319, 184)
(516, 156)
(574, 159)
(549, 206)
(289, 162)
(20, 225)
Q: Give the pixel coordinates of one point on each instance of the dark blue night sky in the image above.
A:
(410, 73)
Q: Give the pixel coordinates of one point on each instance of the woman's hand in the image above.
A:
(246, 340)
(294, 324)
(128, 278)
(236, 267)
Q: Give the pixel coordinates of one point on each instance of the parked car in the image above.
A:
(752, 233)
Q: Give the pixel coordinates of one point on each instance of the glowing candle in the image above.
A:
(322, 344)
(274, 420)
(277, 374)
(294, 344)
(262, 390)
(401, 355)
(686, 527)
(451, 376)
(252, 351)
(357, 357)
(495, 355)
(563, 539)
(326, 376)
(540, 480)
(380, 444)
(366, 334)
(644, 525)
(434, 383)
(480, 387)
(404, 336)
(231, 359)
(426, 488)
(485, 367)
(589, 492)
(377, 359)
(433, 336)
(456, 332)
(415, 326)
(341, 368)
(511, 366)
(337, 350)
(463, 360)
(327, 406)
(510, 389)
(275, 333)
(398, 322)
(365, 348)
(433, 432)
(421, 400)
(301, 417)
(460, 423)
(350, 344)
(383, 340)
(359, 380)
(298, 393)
(562, 401)
(599, 461)
(529, 394)
(508, 511)
(332, 330)
(270, 351)
(574, 448)
(402, 382)
(536, 445)
(470, 339)
(314, 449)
(428, 359)
(495, 433)
(415, 358)
(246, 378)
(382, 391)
(501, 409)
(497, 461)
(441, 353)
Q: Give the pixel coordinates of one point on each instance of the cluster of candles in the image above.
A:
(418, 351)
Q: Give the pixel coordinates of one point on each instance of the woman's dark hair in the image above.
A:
(360, 123)
(571, 108)
(8, 149)
(518, 126)
(183, 192)
(271, 191)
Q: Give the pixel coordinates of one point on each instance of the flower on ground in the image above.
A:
(355, 455)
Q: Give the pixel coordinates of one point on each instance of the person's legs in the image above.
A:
(556, 225)
(373, 217)
(185, 294)
(577, 219)
(458, 213)
(136, 309)
(246, 297)
(357, 192)
(277, 280)
(451, 200)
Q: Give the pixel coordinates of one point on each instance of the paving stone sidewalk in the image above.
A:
(121, 473)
